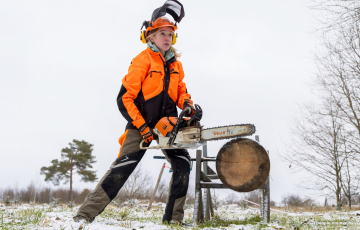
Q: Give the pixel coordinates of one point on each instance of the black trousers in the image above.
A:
(130, 155)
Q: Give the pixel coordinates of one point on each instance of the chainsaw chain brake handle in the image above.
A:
(197, 117)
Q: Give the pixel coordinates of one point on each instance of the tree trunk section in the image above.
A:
(71, 174)
(350, 202)
(243, 165)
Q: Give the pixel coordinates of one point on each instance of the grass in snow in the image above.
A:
(217, 222)
(230, 217)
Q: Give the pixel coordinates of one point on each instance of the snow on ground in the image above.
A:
(227, 217)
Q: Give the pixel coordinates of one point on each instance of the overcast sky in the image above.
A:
(62, 62)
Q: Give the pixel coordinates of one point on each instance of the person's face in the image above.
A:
(163, 39)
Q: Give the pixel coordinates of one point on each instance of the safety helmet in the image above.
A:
(158, 19)
(160, 22)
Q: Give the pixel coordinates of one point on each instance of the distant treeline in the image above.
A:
(42, 195)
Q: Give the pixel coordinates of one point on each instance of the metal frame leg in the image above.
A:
(265, 197)
(265, 202)
(207, 196)
(198, 207)
(211, 204)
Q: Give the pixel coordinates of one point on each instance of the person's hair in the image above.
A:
(152, 34)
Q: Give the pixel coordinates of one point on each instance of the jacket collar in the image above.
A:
(168, 55)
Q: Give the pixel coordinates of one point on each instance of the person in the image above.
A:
(151, 90)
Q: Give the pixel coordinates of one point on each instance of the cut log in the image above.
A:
(243, 165)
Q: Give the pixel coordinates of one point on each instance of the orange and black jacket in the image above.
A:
(152, 89)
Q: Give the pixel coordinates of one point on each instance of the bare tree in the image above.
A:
(339, 74)
(293, 200)
(216, 200)
(162, 192)
(336, 13)
(350, 178)
(138, 183)
(231, 199)
(326, 136)
(32, 188)
(339, 77)
(317, 147)
(254, 196)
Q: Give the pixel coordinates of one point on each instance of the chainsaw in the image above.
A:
(183, 132)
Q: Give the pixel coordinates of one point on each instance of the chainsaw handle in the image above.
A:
(198, 114)
(182, 114)
(187, 110)
(142, 144)
(175, 129)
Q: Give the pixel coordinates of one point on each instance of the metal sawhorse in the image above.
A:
(203, 208)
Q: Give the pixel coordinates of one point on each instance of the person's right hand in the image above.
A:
(147, 133)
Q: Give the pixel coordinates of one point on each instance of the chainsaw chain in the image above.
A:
(252, 130)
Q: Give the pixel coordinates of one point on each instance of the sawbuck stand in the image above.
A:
(203, 207)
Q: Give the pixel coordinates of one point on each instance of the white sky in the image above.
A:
(61, 65)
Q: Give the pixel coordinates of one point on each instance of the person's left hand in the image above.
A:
(190, 107)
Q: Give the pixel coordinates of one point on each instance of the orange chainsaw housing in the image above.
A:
(167, 124)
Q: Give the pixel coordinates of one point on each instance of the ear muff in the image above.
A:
(174, 39)
(142, 37)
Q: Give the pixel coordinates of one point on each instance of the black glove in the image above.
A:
(147, 133)
(189, 105)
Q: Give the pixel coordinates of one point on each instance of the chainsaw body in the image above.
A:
(188, 138)
(182, 132)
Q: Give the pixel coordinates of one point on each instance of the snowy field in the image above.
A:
(227, 217)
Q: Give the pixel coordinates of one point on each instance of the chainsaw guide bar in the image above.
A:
(194, 136)
(227, 132)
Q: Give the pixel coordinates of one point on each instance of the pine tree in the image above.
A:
(75, 159)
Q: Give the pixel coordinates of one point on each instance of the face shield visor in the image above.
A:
(172, 7)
